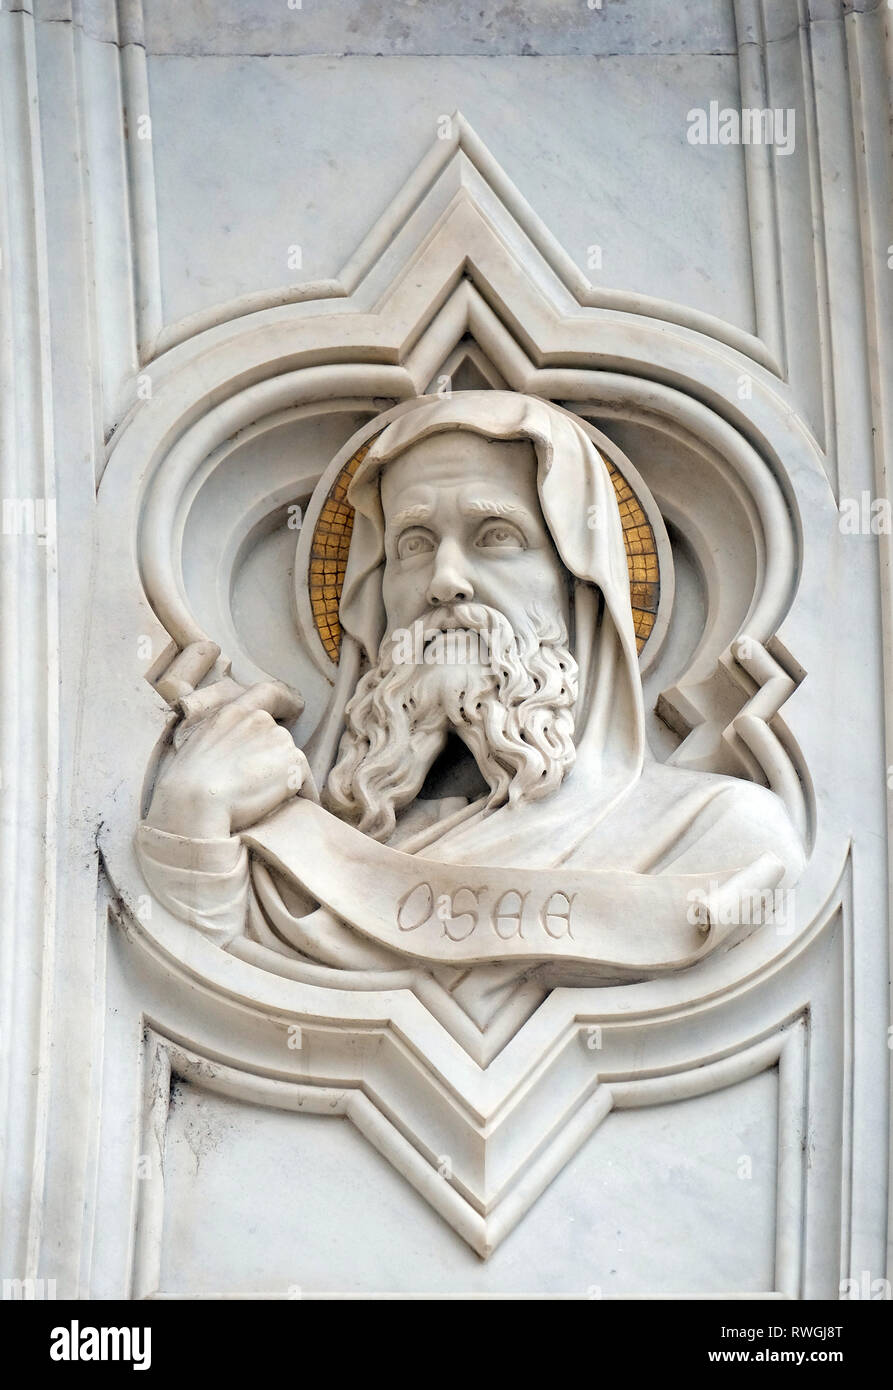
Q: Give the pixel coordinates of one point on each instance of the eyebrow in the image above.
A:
(420, 512)
(476, 506)
(484, 505)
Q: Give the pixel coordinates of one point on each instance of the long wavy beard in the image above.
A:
(515, 713)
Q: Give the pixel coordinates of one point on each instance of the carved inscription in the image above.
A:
(479, 909)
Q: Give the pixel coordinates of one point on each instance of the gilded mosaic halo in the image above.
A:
(334, 525)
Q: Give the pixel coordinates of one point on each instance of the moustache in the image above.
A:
(467, 617)
(451, 635)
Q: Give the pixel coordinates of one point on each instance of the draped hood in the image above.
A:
(580, 510)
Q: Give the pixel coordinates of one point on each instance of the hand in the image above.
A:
(231, 770)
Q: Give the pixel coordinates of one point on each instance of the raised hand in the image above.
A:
(232, 768)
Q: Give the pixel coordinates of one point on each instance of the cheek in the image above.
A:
(402, 592)
(537, 577)
(552, 580)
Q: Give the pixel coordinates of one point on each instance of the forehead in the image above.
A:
(457, 459)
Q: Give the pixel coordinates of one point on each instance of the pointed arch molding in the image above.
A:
(482, 1203)
(458, 162)
(458, 271)
(463, 280)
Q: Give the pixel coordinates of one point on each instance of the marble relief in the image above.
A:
(491, 798)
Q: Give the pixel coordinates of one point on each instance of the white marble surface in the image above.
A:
(272, 127)
(620, 1217)
(412, 27)
(311, 150)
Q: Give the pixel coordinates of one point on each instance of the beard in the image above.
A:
(514, 711)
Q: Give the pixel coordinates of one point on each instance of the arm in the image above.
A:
(203, 882)
(231, 771)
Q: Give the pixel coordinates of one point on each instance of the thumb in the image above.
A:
(300, 778)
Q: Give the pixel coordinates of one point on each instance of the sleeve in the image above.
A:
(203, 882)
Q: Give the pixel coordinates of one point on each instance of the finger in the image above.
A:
(256, 742)
(198, 706)
(276, 790)
(301, 779)
(188, 667)
(274, 697)
(231, 702)
(280, 766)
(203, 702)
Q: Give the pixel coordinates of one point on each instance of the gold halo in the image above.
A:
(334, 525)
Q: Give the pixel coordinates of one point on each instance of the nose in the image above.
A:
(450, 582)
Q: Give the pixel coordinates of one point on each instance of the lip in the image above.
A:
(442, 620)
(431, 634)
(448, 625)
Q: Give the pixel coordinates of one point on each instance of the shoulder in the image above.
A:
(737, 815)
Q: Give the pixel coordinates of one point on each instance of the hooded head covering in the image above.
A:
(580, 510)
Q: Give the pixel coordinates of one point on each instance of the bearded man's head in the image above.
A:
(476, 642)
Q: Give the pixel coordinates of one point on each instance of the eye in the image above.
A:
(500, 535)
(412, 543)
